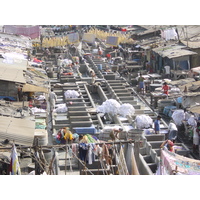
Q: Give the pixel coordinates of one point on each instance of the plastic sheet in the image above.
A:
(71, 94)
(143, 121)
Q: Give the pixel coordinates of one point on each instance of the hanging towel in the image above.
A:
(122, 167)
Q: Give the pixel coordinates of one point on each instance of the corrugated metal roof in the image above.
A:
(19, 130)
(173, 51)
(179, 53)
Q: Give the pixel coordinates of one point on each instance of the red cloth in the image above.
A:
(108, 55)
(36, 60)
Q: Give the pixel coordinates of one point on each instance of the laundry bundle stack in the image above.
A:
(178, 116)
(143, 121)
(126, 109)
(61, 108)
(110, 106)
(71, 94)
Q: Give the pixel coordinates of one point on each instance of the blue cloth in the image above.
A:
(179, 100)
(157, 125)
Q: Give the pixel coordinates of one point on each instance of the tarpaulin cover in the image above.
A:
(87, 37)
(31, 31)
(111, 40)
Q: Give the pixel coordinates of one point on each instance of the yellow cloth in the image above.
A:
(68, 135)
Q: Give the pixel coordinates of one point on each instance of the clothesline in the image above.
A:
(64, 145)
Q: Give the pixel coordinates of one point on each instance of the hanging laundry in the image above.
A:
(130, 161)
(105, 154)
(122, 167)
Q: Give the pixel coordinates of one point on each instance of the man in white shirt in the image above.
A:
(172, 131)
(52, 100)
(167, 71)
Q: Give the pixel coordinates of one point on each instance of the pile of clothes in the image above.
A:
(143, 121)
(71, 94)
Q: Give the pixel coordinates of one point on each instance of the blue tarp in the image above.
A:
(8, 97)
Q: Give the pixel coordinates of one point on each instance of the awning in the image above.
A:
(33, 88)
(19, 130)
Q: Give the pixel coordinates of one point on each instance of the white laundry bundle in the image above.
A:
(110, 106)
(126, 109)
(61, 108)
(71, 94)
(149, 131)
(40, 97)
(35, 109)
(175, 90)
(143, 121)
(178, 116)
(192, 121)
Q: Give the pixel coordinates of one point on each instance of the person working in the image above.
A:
(93, 75)
(157, 125)
(114, 134)
(165, 88)
(172, 131)
(141, 83)
(44, 104)
(168, 144)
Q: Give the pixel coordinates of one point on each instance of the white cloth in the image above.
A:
(143, 121)
(167, 69)
(195, 137)
(110, 106)
(71, 94)
(61, 108)
(126, 109)
(172, 127)
(178, 116)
